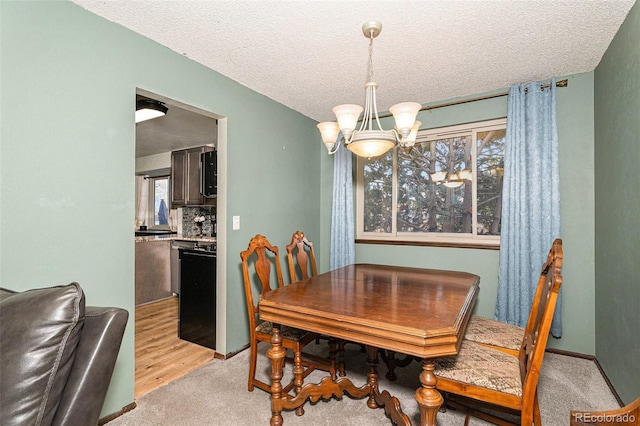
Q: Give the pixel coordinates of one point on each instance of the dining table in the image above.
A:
(414, 311)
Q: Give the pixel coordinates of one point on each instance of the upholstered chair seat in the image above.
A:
(494, 333)
(483, 367)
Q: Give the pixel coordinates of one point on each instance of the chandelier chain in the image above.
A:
(371, 57)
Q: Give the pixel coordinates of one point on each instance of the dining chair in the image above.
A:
(300, 253)
(301, 249)
(262, 255)
(629, 415)
(497, 334)
(479, 375)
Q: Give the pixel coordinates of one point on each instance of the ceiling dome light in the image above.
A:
(146, 109)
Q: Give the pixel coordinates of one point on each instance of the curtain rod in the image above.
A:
(561, 83)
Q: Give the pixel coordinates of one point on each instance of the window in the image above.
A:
(446, 189)
(159, 202)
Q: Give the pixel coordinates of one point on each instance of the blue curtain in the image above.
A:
(343, 250)
(530, 200)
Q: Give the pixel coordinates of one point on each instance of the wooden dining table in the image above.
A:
(414, 311)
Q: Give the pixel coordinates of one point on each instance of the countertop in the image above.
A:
(204, 239)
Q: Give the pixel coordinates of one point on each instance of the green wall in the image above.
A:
(575, 134)
(68, 82)
(617, 156)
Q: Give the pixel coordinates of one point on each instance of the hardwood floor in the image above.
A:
(161, 356)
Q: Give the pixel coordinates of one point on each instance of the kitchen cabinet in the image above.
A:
(186, 174)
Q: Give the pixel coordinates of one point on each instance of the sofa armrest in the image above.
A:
(93, 366)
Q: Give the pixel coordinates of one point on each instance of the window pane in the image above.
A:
(160, 197)
(433, 196)
(490, 171)
(416, 192)
(378, 181)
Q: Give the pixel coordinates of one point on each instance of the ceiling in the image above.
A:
(311, 55)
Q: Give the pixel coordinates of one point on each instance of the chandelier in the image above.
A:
(367, 141)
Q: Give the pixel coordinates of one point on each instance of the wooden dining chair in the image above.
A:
(300, 252)
(479, 375)
(497, 334)
(264, 255)
(629, 415)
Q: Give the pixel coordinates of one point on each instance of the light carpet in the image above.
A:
(216, 394)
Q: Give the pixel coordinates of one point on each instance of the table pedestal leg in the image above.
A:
(428, 397)
(341, 371)
(333, 344)
(276, 355)
(372, 375)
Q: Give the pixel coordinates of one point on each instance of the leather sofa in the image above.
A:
(56, 356)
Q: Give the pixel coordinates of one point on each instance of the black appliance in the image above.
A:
(197, 298)
(209, 175)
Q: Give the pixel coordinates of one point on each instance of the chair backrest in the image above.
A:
(262, 265)
(304, 256)
(538, 326)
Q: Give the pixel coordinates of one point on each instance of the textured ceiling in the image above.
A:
(311, 55)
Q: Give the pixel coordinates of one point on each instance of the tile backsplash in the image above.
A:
(189, 227)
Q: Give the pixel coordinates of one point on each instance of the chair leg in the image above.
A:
(389, 358)
(537, 420)
(526, 418)
(252, 364)
(298, 372)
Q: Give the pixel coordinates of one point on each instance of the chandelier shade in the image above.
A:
(367, 141)
(373, 143)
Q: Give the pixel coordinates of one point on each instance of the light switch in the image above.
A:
(236, 223)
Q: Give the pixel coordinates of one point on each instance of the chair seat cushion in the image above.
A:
(483, 367)
(289, 333)
(496, 333)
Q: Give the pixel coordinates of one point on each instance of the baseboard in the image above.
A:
(117, 414)
(595, 360)
(231, 354)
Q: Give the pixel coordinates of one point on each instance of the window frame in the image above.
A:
(151, 214)
(467, 240)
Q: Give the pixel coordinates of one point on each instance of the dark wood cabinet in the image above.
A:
(178, 167)
(185, 178)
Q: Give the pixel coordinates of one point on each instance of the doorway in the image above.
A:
(159, 355)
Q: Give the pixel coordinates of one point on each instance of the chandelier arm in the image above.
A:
(366, 117)
(336, 146)
(375, 109)
(365, 113)
(398, 136)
